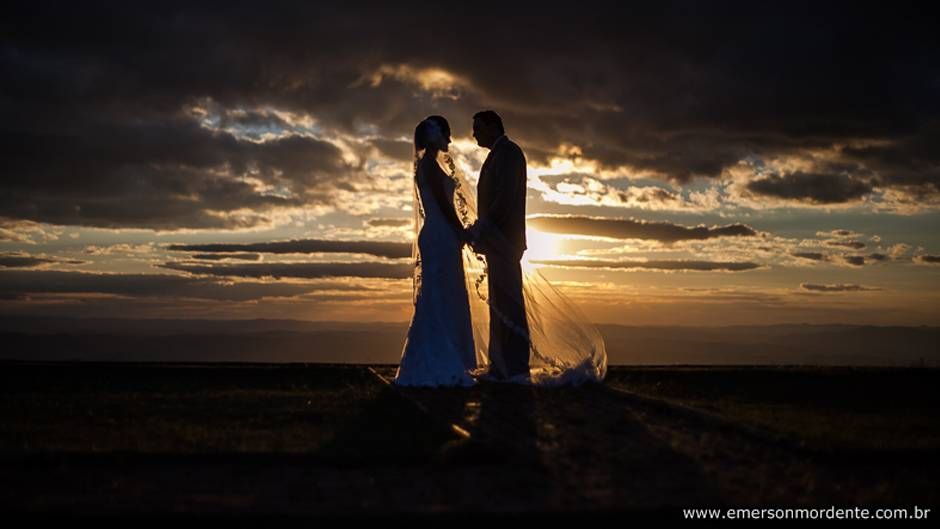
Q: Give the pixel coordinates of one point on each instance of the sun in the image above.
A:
(541, 246)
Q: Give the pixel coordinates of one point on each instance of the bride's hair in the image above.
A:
(431, 131)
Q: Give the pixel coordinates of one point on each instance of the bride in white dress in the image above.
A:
(439, 349)
(447, 341)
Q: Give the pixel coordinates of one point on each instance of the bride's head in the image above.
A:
(432, 135)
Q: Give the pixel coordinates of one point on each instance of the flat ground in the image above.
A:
(320, 439)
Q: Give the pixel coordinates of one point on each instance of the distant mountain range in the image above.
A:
(164, 340)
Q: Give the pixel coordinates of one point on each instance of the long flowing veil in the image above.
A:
(565, 348)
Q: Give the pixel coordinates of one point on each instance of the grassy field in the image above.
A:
(833, 409)
(313, 439)
(336, 413)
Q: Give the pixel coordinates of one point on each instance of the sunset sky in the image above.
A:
(694, 163)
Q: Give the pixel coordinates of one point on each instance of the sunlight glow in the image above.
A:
(541, 246)
(436, 81)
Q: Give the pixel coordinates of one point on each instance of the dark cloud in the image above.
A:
(225, 256)
(911, 163)
(400, 150)
(857, 245)
(634, 229)
(812, 256)
(23, 260)
(165, 174)
(927, 259)
(878, 257)
(299, 270)
(840, 287)
(97, 131)
(19, 284)
(698, 266)
(816, 188)
(388, 223)
(854, 260)
(390, 250)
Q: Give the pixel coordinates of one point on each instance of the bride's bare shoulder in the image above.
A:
(429, 166)
(428, 161)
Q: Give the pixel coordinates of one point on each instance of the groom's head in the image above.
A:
(487, 127)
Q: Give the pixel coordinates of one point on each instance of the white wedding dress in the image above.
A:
(439, 348)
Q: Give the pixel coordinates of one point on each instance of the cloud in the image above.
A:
(665, 232)
(857, 245)
(927, 259)
(853, 260)
(812, 256)
(439, 83)
(27, 232)
(389, 223)
(19, 284)
(297, 270)
(909, 163)
(697, 266)
(583, 190)
(837, 233)
(391, 250)
(228, 116)
(166, 173)
(395, 149)
(121, 248)
(226, 256)
(25, 260)
(898, 250)
(815, 188)
(22, 261)
(839, 287)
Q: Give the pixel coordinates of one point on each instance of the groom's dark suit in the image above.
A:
(501, 194)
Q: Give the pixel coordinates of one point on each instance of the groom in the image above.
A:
(499, 234)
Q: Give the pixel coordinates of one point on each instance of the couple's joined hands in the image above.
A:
(470, 235)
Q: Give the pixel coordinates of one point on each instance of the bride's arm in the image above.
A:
(436, 181)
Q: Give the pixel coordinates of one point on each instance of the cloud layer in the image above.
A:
(838, 287)
(665, 232)
(297, 270)
(20, 284)
(664, 265)
(230, 117)
(392, 250)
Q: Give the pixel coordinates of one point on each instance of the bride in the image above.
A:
(447, 340)
(439, 349)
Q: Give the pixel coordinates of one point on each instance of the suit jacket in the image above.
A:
(501, 194)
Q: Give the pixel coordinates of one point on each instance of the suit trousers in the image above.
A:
(507, 300)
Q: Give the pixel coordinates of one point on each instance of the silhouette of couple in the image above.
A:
(462, 241)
